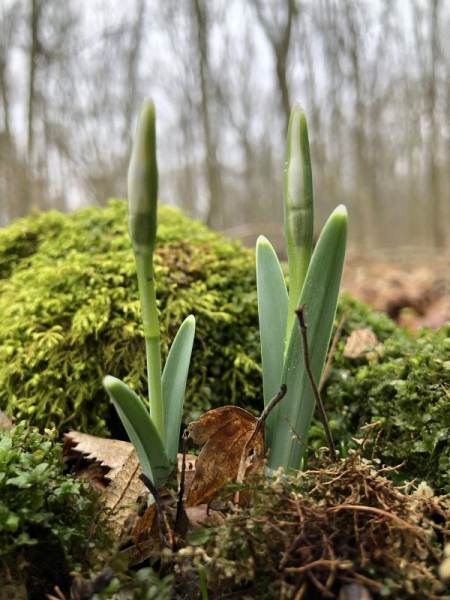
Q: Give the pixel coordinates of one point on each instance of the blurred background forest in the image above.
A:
(373, 77)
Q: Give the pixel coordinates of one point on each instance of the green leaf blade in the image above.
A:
(141, 430)
(272, 310)
(320, 295)
(174, 384)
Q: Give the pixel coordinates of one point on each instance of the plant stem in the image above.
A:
(146, 282)
(298, 208)
(259, 425)
(319, 403)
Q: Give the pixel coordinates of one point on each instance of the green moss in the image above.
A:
(404, 388)
(71, 314)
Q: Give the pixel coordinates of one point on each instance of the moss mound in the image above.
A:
(404, 386)
(71, 314)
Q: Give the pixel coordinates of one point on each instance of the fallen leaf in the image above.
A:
(199, 515)
(360, 342)
(112, 468)
(122, 495)
(224, 432)
(143, 525)
(137, 553)
(110, 454)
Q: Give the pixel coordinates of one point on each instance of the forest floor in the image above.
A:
(368, 540)
(413, 292)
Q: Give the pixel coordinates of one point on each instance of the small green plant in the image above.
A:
(314, 282)
(154, 432)
(36, 495)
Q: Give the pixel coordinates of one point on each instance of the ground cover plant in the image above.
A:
(40, 507)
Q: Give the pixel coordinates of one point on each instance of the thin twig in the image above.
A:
(394, 517)
(323, 417)
(298, 438)
(266, 412)
(331, 352)
(259, 425)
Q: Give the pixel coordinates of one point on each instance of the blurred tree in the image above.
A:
(277, 25)
(373, 78)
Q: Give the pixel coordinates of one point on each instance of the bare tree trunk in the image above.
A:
(214, 216)
(358, 133)
(437, 225)
(34, 51)
(133, 64)
(279, 37)
(5, 97)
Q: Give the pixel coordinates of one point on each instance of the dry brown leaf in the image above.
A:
(189, 472)
(224, 431)
(199, 515)
(139, 552)
(360, 342)
(122, 495)
(110, 454)
(143, 526)
(113, 469)
(121, 467)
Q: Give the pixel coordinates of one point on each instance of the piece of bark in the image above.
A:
(5, 422)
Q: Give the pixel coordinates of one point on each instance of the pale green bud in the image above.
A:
(143, 182)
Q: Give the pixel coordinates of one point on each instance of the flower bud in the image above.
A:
(143, 182)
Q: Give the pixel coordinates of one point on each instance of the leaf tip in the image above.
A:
(297, 108)
(190, 320)
(110, 383)
(262, 241)
(340, 212)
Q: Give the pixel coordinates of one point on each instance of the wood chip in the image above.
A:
(360, 342)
